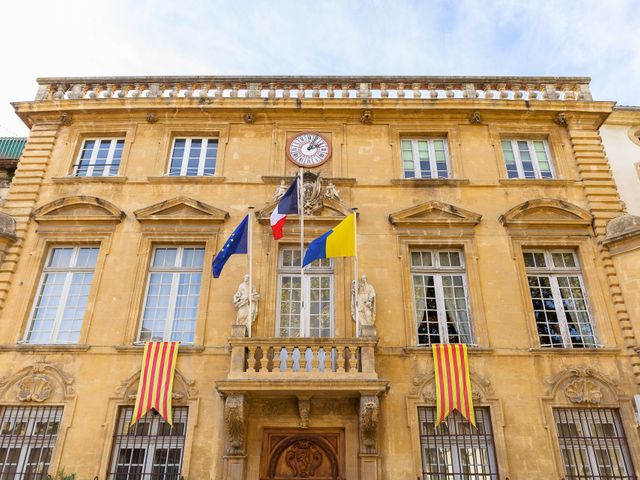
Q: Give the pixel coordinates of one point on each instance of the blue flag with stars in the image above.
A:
(237, 243)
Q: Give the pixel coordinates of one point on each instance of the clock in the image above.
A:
(308, 149)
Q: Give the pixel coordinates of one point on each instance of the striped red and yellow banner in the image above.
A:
(453, 384)
(156, 380)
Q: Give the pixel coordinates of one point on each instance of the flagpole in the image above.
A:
(301, 214)
(250, 251)
(355, 265)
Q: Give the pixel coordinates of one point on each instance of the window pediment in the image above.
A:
(78, 209)
(434, 214)
(181, 210)
(546, 213)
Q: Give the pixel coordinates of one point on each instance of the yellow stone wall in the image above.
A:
(519, 381)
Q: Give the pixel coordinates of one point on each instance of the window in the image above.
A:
(193, 157)
(99, 157)
(527, 158)
(316, 292)
(425, 158)
(173, 294)
(27, 438)
(150, 449)
(455, 450)
(62, 295)
(559, 304)
(593, 444)
(440, 297)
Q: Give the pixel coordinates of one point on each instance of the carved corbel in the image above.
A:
(560, 119)
(475, 118)
(152, 118)
(65, 119)
(366, 117)
(235, 416)
(369, 416)
(304, 409)
(249, 117)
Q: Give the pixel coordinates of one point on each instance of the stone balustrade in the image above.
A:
(327, 88)
(321, 358)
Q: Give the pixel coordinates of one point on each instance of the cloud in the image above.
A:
(333, 37)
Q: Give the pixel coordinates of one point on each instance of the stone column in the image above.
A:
(368, 419)
(235, 418)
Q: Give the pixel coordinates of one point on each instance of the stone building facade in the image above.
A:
(483, 206)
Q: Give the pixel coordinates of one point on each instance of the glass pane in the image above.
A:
(177, 156)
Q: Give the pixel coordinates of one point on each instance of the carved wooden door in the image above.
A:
(302, 454)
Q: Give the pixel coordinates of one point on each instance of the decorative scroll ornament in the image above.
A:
(583, 391)
(34, 388)
(583, 386)
(312, 192)
(303, 458)
(235, 420)
(369, 417)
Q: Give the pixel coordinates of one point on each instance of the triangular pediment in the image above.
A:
(547, 212)
(78, 208)
(181, 209)
(434, 213)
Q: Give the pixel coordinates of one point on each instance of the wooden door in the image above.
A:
(314, 454)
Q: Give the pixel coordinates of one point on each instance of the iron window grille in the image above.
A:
(61, 300)
(99, 158)
(27, 439)
(150, 449)
(193, 157)
(455, 450)
(425, 158)
(527, 158)
(558, 298)
(593, 444)
(440, 297)
(173, 294)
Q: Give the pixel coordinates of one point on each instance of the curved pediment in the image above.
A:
(548, 213)
(434, 214)
(328, 211)
(78, 209)
(181, 209)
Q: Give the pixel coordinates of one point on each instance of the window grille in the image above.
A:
(99, 158)
(593, 444)
(173, 295)
(558, 298)
(27, 439)
(193, 157)
(455, 450)
(425, 158)
(527, 158)
(150, 449)
(62, 295)
(440, 297)
(316, 292)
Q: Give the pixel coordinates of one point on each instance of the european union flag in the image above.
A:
(237, 243)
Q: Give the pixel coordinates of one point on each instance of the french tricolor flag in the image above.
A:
(288, 204)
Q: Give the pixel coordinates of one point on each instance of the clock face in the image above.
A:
(308, 149)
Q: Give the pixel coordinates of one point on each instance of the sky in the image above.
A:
(595, 38)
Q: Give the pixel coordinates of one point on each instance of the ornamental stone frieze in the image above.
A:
(43, 381)
(583, 386)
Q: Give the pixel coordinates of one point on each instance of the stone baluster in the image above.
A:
(327, 359)
(300, 93)
(44, 92)
(345, 91)
(340, 358)
(135, 92)
(265, 355)
(315, 359)
(549, 92)
(449, 93)
(60, 91)
(289, 358)
(488, 91)
(331, 92)
(532, 92)
(400, 90)
(109, 92)
(416, 90)
(503, 93)
(517, 92)
(204, 90)
(303, 358)
(384, 93)
(315, 91)
(286, 91)
(188, 91)
(234, 90)
(271, 93)
(433, 91)
(251, 359)
(122, 90)
(76, 91)
(217, 90)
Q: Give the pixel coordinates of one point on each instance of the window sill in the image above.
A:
(544, 351)
(429, 182)
(546, 182)
(139, 347)
(185, 179)
(42, 347)
(70, 179)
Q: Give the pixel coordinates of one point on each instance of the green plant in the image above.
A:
(61, 475)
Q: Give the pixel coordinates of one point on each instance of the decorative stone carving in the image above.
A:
(235, 421)
(39, 382)
(312, 192)
(583, 391)
(364, 302)
(369, 417)
(241, 302)
(331, 192)
(34, 388)
(183, 389)
(249, 118)
(304, 408)
(65, 119)
(280, 191)
(366, 117)
(151, 118)
(303, 458)
(560, 119)
(475, 118)
(423, 386)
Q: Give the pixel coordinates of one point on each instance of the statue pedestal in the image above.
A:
(238, 330)
(368, 466)
(234, 467)
(368, 331)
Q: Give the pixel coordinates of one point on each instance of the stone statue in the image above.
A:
(241, 302)
(365, 302)
(332, 192)
(280, 191)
